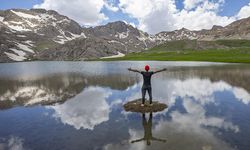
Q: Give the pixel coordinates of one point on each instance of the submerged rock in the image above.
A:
(135, 106)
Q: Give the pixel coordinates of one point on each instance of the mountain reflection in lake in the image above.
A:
(78, 105)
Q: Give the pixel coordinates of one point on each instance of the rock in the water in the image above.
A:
(135, 106)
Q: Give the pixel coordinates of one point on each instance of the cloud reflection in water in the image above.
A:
(12, 143)
(192, 129)
(85, 110)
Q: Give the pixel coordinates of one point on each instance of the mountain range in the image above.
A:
(39, 34)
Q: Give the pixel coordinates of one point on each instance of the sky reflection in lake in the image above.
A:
(81, 108)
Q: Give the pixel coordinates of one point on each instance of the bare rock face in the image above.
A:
(130, 38)
(101, 41)
(26, 32)
(81, 49)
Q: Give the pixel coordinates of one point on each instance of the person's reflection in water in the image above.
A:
(147, 125)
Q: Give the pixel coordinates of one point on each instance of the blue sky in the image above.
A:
(98, 12)
(26, 4)
(230, 8)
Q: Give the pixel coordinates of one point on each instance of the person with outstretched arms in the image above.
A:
(146, 87)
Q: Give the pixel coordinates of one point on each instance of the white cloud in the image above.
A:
(86, 110)
(110, 6)
(87, 12)
(244, 12)
(136, 8)
(153, 15)
(200, 19)
(162, 15)
(190, 4)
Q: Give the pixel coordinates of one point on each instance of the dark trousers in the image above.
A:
(143, 91)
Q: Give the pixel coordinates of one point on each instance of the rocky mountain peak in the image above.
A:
(118, 29)
(245, 22)
(183, 29)
(25, 31)
(40, 21)
(216, 27)
(117, 24)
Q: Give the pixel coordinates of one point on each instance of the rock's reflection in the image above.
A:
(55, 89)
(147, 125)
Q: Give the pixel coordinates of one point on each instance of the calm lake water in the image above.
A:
(79, 105)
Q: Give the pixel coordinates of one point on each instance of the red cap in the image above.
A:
(147, 67)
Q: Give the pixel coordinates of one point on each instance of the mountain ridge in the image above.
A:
(47, 35)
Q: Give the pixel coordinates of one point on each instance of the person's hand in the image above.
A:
(165, 69)
(129, 69)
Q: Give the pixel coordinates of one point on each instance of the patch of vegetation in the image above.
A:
(234, 43)
(236, 51)
(45, 45)
(175, 45)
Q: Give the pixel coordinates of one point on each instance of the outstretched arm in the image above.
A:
(160, 70)
(157, 139)
(134, 70)
(137, 140)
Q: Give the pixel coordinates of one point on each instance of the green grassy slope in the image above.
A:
(236, 51)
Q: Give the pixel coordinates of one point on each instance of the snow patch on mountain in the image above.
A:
(74, 36)
(122, 35)
(18, 52)
(15, 57)
(114, 56)
(1, 19)
(30, 43)
(16, 27)
(22, 36)
(15, 22)
(61, 39)
(25, 15)
(25, 47)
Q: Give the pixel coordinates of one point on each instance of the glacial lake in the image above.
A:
(79, 106)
